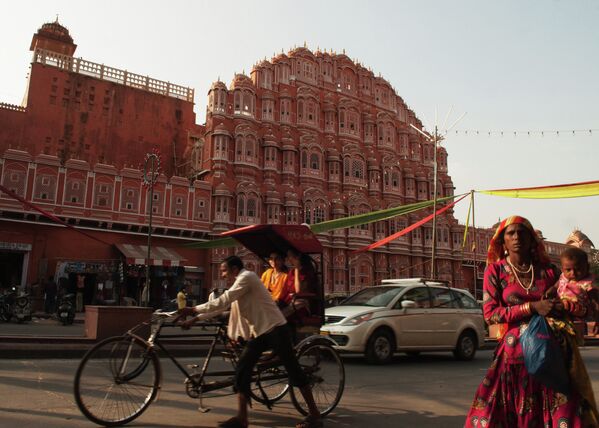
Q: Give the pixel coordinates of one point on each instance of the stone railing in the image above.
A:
(103, 72)
(12, 107)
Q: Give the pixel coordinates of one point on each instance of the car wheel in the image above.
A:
(466, 346)
(380, 348)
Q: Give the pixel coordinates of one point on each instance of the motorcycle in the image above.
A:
(15, 305)
(21, 308)
(66, 309)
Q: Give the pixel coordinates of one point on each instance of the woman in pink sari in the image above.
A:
(517, 276)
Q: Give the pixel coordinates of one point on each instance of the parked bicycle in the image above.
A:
(120, 377)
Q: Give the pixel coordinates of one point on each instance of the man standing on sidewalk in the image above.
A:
(268, 329)
(50, 296)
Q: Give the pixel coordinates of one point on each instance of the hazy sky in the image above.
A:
(511, 65)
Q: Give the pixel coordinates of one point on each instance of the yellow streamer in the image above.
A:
(575, 190)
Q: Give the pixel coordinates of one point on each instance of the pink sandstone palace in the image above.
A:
(307, 137)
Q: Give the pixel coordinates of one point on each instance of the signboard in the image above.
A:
(15, 246)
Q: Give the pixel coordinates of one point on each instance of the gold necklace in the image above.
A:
(518, 270)
(532, 278)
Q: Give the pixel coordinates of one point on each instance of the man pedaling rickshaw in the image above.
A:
(253, 310)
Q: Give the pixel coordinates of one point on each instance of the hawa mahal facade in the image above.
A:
(306, 137)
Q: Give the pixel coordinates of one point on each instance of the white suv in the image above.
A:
(409, 315)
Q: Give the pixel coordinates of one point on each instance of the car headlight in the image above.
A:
(359, 319)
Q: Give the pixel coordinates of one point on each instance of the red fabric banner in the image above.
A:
(47, 214)
(408, 229)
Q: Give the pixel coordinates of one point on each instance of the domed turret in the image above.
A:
(579, 239)
(54, 37)
(241, 81)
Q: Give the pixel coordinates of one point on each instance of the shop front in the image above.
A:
(93, 282)
(14, 263)
(167, 273)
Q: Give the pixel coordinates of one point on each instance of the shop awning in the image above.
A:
(159, 256)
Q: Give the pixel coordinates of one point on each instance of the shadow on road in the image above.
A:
(379, 417)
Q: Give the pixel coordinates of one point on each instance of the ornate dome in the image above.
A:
(218, 85)
(241, 80)
(579, 239)
(55, 30)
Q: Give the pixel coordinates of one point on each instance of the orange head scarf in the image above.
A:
(495, 252)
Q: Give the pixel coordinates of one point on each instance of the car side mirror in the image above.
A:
(408, 304)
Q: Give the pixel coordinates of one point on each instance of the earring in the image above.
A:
(505, 252)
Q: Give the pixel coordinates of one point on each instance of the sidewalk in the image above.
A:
(44, 337)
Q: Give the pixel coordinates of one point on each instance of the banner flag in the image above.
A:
(339, 223)
(574, 190)
(48, 214)
(407, 229)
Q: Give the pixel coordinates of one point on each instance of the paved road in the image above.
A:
(429, 391)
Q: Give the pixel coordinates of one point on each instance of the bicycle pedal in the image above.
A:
(204, 409)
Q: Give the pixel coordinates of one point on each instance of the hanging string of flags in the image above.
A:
(521, 133)
(571, 190)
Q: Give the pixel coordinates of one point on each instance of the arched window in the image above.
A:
(342, 120)
(250, 149)
(240, 206)
(251, 208)
(395, 180)
(220, 147)
(300, 111)
(237, 99)
(311, 115)
(308, 212)
(319, 213)
(387, 178)
(315, 161)
(248, 103)
(266, 78)
(304, 159)
(389, 134)
(346, 167)
(357, 169)
(239, 148)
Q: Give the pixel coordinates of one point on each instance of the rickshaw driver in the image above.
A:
(268, 329)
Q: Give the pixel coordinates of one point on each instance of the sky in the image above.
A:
(509, 65)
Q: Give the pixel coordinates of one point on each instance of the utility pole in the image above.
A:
(150, 175)
(434, 246)
(436, 139)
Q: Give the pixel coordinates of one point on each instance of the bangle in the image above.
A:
(526, 308)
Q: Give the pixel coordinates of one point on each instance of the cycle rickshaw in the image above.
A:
(120, 377)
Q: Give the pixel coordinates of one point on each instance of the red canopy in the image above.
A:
(263, 239)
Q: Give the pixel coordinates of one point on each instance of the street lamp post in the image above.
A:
(436, 139)
(434, 246)
(151, 173)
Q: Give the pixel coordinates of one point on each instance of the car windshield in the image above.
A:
(374, 296)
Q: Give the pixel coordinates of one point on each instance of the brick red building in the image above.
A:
(74, 149)
(307, 137)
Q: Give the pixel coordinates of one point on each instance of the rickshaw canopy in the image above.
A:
(264, 239)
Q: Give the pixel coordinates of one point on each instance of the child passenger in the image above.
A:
(576, 288)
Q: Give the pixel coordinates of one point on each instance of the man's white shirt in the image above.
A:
(257, 311)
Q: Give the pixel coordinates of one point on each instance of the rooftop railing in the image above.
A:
(104, 72)
(12, 107)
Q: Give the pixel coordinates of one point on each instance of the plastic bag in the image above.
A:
(543, 356)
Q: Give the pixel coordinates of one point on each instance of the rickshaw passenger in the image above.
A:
(301, 291)
(275, 278)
